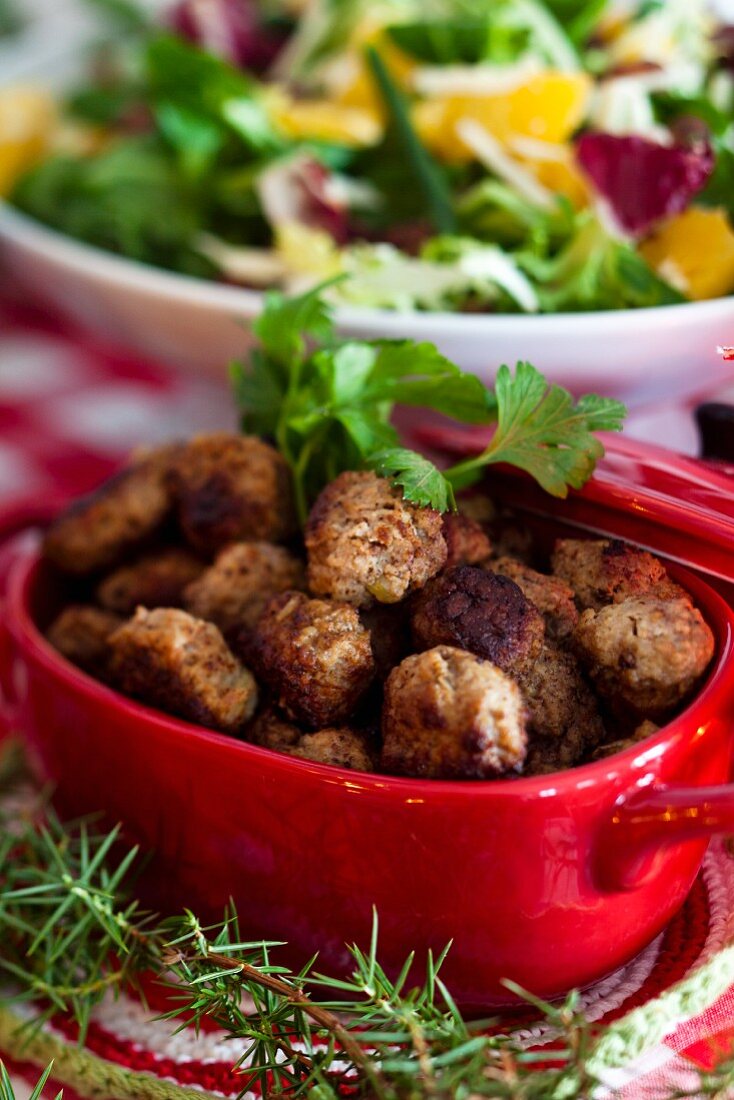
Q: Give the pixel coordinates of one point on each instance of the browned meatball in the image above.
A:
(486, 614)
(342, 748)
(564, 719)
(170, 660)
(82, 635)
(366, 543)
(271, 730)
(99, 530)
(231, 488)
(155, 580)
(449, 715)
(644, 730)
(316, 657)
(551, 595)
(645, 654)
(235, 590)
(604, 572)
(466, 542)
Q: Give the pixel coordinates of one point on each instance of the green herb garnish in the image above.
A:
(328, 404)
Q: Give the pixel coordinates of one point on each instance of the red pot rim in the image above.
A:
(23, 573)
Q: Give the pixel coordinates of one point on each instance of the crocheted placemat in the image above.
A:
(666, 1014)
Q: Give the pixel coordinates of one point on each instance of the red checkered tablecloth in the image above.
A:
(70, 409)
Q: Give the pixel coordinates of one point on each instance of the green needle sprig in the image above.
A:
(428, 175)
(70, 931)
(6, 1088)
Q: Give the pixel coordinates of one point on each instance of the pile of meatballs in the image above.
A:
(385, 637)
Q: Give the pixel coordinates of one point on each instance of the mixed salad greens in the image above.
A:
(10, 18)
(472, 155)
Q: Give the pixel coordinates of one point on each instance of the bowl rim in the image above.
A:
(28, 562)
(244, 303)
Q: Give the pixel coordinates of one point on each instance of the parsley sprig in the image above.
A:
(327, 404)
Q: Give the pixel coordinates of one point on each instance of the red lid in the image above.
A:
(680, 507)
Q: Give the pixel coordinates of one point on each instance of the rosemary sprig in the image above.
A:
(69, 932)
(6, 1088)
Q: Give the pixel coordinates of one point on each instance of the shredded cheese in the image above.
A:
(493, 156)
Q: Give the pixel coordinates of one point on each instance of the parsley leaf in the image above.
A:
(328, 403)
(421, 481)
(541, 431)
(285, 325)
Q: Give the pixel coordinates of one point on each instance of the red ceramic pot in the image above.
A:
(552, 881)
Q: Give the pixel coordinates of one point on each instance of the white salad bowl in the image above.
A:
(639, 356)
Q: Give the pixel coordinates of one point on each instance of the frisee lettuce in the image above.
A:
(327, 404)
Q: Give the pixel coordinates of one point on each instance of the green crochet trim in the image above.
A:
(620, 1044)
(624, 1041)
(90, 1076)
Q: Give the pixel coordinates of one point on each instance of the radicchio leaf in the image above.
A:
(302, 190)
(230, 29)
(642, 180)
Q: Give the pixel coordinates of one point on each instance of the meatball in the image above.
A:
(316, 657)
(510, 537)
(644, 730)
(466, 542)
(342, 748)
(472, 609)
(389, 628)
(551, 595)
(271, 731)
(604, 572)
(170, 660)
(231, 488)
(449, 715)
(82, 635)
(156, 580)
(477, 507)
(645, 655)
(366, 543)
(234, 591)
(564, 720)
(99, 530)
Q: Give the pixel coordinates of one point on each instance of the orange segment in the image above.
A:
(549, 107)
(325, 121)
(694, 252)
(359, 89)
(27, 120)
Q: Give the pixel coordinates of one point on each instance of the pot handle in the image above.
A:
(653, 818)
(10, 551)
